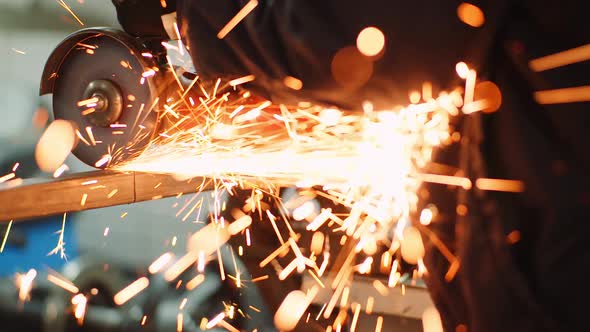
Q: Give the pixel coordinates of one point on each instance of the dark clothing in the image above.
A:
(538, 283)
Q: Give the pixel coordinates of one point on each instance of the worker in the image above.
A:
(521, 257)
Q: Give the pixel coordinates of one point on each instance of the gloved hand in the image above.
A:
(142, 18)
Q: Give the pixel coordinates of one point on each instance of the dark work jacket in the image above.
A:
(536, 284)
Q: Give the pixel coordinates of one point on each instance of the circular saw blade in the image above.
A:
(101, 57)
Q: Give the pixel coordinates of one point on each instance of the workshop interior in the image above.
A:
(263, 165)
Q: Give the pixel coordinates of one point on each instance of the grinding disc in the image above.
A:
(124, 120)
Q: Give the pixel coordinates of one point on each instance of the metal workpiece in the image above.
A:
(85, 191)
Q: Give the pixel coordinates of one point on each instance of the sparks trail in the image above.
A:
(370, 162)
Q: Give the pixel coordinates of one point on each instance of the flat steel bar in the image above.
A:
(36, 198)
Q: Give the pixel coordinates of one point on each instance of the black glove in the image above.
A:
(142, 18)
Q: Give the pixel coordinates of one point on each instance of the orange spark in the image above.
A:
(470, 15)
(69, 10)
(65, 284)
(5, 236)
(561, 59)
(370, 41)
(130, 291)
(563, 96)
(500, 185)
(160, 263)
(242, 80)
(238, 18)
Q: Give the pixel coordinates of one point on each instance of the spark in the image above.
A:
(196, 281)
(18, 51)
(130, 291)
(264, 277)
(248, 240)
(182, 303)
(81, 137)
(7, 177)
(5, 236)
(79, 301)
(562, 96)
(470, 15)
(355, 317)
(379, 324)
(227, 326)
(103, 161)
(242, 80)
(213, 322)
(452, 271)
(160, 262)
(369, 306)
(60, 170)
(324, 263)
(148, 73)
(462, 69)
(293, 83)
(83, 200)
(238, 18)
(90, 134)
(179, 323)
(380, 287)
(25, 284)
(370, 41)
(426, 216)
(560, 59)
(469, 87)
(88, 101)
(513, 237)
(60, 247)
(69, 10)
(500, 185)
(446, 179)
(63, 283)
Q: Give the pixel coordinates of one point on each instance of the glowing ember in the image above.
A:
(5, 237)
(470, 15)
(79, 301)
(65, 284)
(25, 284)
(160, 263)
(370, 41)
(130, 291)
(238, 18)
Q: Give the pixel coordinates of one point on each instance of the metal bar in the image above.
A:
(40, 198)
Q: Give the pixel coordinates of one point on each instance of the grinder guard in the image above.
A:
(107, 64)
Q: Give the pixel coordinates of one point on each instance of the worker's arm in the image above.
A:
(142, 18)
(315, 42)
(300, 38)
